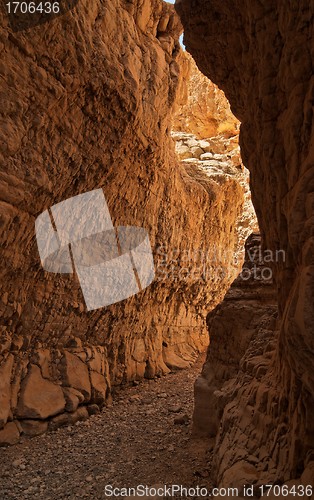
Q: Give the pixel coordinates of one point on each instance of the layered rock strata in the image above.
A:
(85, 104)
(261, 55)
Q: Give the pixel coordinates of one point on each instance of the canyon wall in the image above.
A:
(201, 107)
(260, 53)
(86, 103)
(251, 297)
(207, 140)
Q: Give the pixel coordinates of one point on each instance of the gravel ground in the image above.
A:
(144, 438)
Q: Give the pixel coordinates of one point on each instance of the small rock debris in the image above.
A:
(135, 441)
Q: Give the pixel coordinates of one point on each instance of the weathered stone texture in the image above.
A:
(86, 103)
(39, 398)
(261, 54)
(9, 434)
(5, 389)
(232, 325)
(201, 107)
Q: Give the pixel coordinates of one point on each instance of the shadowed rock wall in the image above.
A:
(261, 54)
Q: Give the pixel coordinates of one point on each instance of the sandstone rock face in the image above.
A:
(202, 108)
(207, 135)
(232, 325)
(220, 160)
(87, 104)
(261, 55)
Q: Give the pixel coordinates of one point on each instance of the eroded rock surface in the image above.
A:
(261, 55)
(202, 108)
(219, 159)
(86, 104)
(207, 141)
(232, 325)
(39, 398)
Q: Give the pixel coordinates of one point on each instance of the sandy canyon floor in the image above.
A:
(143, 438)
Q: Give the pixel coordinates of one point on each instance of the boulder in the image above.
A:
(99, 388)
(73, 398)
(5, 389)
(39, 398)
(75, 374)
(9, 435)
(172, 360)
(33, 427)
(240, 474)
(68, 418)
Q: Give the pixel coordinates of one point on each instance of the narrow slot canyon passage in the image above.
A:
(156, 249)
(145, 434)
